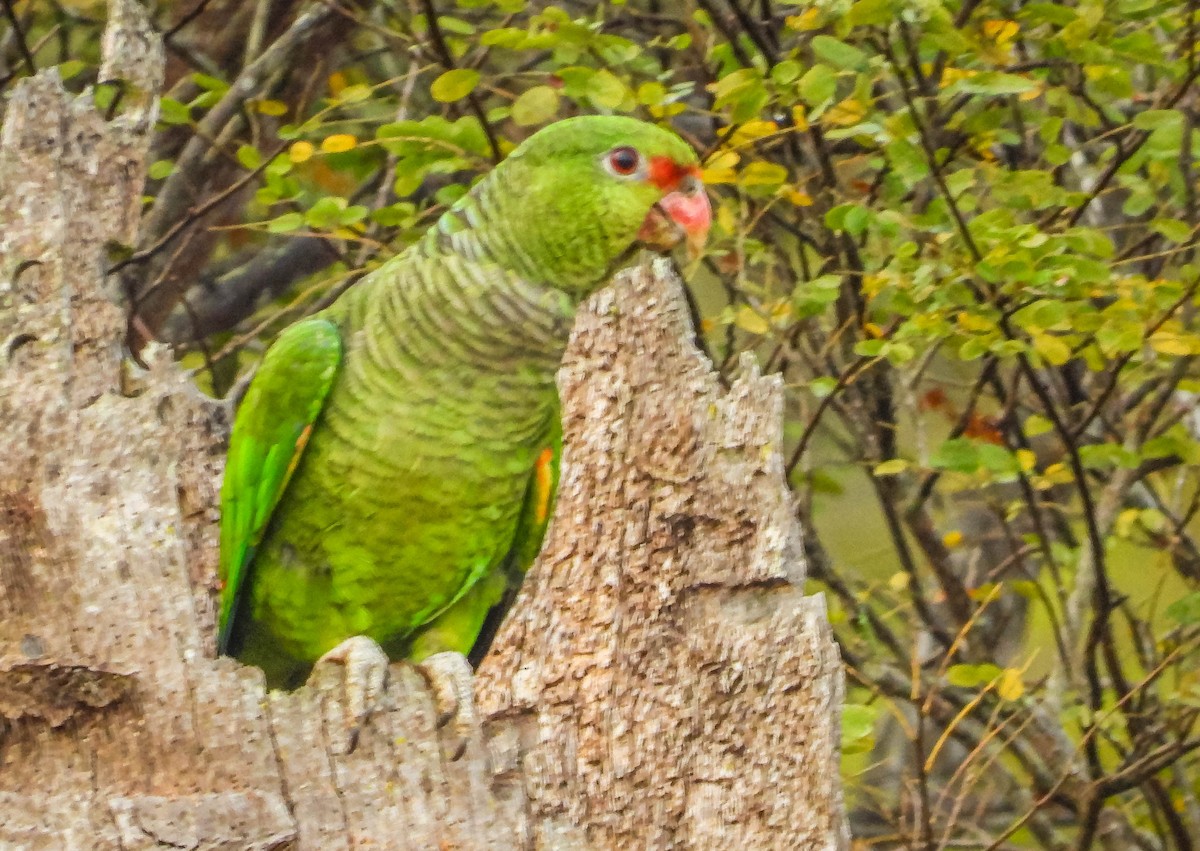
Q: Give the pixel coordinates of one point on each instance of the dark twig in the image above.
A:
(19, 34)
(446, 58)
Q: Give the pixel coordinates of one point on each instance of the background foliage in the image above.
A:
(963, 232)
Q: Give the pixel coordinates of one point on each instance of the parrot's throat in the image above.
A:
(491, 224)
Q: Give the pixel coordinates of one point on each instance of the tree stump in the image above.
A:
(662, 681)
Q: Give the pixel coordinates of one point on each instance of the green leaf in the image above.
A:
(205, 99)
(395, 214)
(249, 156)
(454, 85)
(606, 89)
(326, 212)
(512, 38)
(1155, 119)
(354, 94)
(823, 386)
(286, 222)
(972, 676)
(992, 83)
(160, 169)
(838, 53)
(455, 25)
(958, 454)
(209, 83)
(535, 106)
(1100, 456)
(69, 69)
(1173, 229)
(858, 727)
(1186, 610)
(785, 72)
(870, 12)
(734, 84)
(869, 348)
(818, 85)
(171, 111)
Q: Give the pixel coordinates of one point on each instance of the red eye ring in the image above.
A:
(624, 160)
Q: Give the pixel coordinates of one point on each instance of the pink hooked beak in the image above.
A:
(683, 214)
(692, 213)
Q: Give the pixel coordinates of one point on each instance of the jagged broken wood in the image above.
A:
(662, 677)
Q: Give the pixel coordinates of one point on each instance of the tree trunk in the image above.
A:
(661, 683)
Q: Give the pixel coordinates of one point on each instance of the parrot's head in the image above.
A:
(594, 189)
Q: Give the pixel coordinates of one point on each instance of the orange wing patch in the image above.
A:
(301, 442)
(542, 485)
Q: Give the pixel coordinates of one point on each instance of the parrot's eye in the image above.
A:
(623, 161)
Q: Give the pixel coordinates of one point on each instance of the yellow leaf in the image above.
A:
(752, 131)
(1052, 349)
(300, 152)
(338, 143)
(1032, 94)
(454, 84)
(1011, 685)
(720, 168)
(809, 19)
(727, 218)
(952, 539)
(899, 581)
(974, 322)
(800, 199)
(1056, 474)
(890, 467)
(849, 112)
(873, 330)
(337, 82)
(984, 592)
(723, 159)
(1026, 459)
(1001, 32)
(781, 311)
(951, 75)
(748, 320)
(271, 107)
(800, 116)
(1126, 522)
(1166, 343)
(760, 173)
(713, 176)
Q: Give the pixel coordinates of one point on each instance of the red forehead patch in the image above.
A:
(665, 173)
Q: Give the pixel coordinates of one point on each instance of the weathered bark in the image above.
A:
(666, 678)
(663, 683)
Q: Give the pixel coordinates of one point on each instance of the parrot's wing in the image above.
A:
(538, 508)
(270, 432)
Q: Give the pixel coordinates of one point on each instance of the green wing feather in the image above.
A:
(270, 432)
(536, 512)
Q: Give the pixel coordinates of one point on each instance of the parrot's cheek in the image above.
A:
(678, 217)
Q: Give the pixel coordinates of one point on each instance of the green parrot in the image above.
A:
(393, 464)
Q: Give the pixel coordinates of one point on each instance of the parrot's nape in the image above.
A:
(393, 465)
